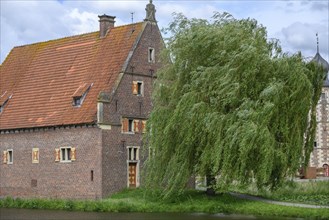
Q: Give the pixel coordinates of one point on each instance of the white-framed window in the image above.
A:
(10, 156)
(133, 153)
(65, 154)
(138, 88)
(151, 55)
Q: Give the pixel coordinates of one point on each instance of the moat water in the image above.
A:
(27, 214)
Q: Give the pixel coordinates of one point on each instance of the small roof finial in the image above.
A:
(150, 12)
(317, 42)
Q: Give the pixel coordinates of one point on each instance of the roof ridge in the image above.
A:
(125, 25)
(72, 36)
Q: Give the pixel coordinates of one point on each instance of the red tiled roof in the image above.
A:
(44, 77)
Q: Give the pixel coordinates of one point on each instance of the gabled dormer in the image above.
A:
(4, 99)
(80, 94)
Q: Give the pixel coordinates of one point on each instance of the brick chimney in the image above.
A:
(106, 22)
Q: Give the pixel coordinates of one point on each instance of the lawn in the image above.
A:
(190, 201)
(308, 192)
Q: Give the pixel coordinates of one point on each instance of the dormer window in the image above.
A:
(77, 101)
(80, 95)
(151, 55)
(4, 101)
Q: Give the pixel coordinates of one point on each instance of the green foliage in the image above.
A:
(230, 104)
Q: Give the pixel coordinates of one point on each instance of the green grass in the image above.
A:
(189, 201)
(310, 192)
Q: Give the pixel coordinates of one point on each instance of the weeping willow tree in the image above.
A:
(231, 104)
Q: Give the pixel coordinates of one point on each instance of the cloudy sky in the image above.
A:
(294, 23)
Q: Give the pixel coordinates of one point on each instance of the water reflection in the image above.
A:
(26, 214)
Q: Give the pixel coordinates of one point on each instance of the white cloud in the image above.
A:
(294, 23)
(301, 37)
(28, 22)
(82, 22)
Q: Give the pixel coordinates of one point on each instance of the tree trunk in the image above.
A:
(210, 179)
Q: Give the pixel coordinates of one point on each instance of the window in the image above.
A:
(80, 95)
(4, 103)
(323, 96)
(151, 55)
(130, 125)
(133, 126)
(138, 88)
(315, 144)
(77, 101)
(35, 155)
(8, 156)
(66, 154)
(133, 153)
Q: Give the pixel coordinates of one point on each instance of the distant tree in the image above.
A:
(230, 105)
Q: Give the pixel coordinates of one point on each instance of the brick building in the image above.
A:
(320, 154)
(73, 111)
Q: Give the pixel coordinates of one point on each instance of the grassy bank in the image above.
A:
(308, 192)
(191, 201)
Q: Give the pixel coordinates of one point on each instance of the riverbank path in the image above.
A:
(255, 198)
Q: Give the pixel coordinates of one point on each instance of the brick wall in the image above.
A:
(151, 38)
(124, 104)
(53, 179)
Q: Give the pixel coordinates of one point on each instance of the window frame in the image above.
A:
(131, 126)
(78, 100)
(66, 154)
(10, 157)
(133, 153)
(3, 105)
(151, 55)
(140, 88)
